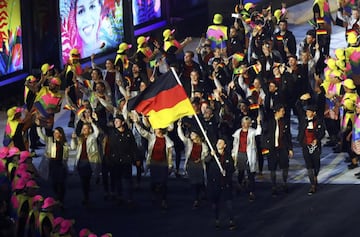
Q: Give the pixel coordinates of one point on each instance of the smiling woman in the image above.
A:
(92, 26)
(88, 22)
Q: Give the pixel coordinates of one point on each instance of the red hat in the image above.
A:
(20, 184)
(20, 169)
(58, 220)
(84, 232)
(107, 235)
(24, 175)
(56, 81)
(13, 151)
(65, 226)
(24, 155)
(3, 151)
(31, 184)
(2, 168)
(49, 202)
(38, 198)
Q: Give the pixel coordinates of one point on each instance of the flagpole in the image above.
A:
(202, 128)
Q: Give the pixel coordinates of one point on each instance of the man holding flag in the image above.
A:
(163, 102)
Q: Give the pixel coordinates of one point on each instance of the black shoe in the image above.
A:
(195, 204)
(85, 203)
(347, 160)
(251, 197)
(130, 204)
(312, 190)
(274, 192)
(106, 196)
(164, 205)
(71, 124)
(357, 174)
(352, 166)
(337, 149)
(285, 188)
(39, 144)
(217, 224)
(330, 143)
(232, 225)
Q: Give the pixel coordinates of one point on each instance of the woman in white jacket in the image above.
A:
(159, 159)
(195, 153)
(57, 151)
(244, 152)
(87, 155)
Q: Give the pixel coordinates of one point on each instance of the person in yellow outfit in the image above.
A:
(348, 104)
(72, 70)
(218, 33)
(122, 61)
(14, 129)
(172, 47)
(144, 54)
(48, 103)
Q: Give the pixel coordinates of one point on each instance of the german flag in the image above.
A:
(321, 32)
(164, 101)
(68, 107)
(256, 68)
(280, 37)
(320, 21)
(87, 83)
(265, 151)
(80, 110)
(254, 106)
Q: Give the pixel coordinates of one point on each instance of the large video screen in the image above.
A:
(11, 53)
(91, 26)
(145, 11)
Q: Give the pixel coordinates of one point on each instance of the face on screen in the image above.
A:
(88, 19)
(91, 26)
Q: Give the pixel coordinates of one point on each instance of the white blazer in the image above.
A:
(189, 145)
(92, 148)
(250, 147)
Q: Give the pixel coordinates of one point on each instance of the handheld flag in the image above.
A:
(164, 101)
(80, 110)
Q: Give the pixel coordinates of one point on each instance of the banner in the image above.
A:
(145, 11)
(90, 26)
(11, 53)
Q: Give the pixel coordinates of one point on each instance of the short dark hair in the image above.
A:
(277, 107)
